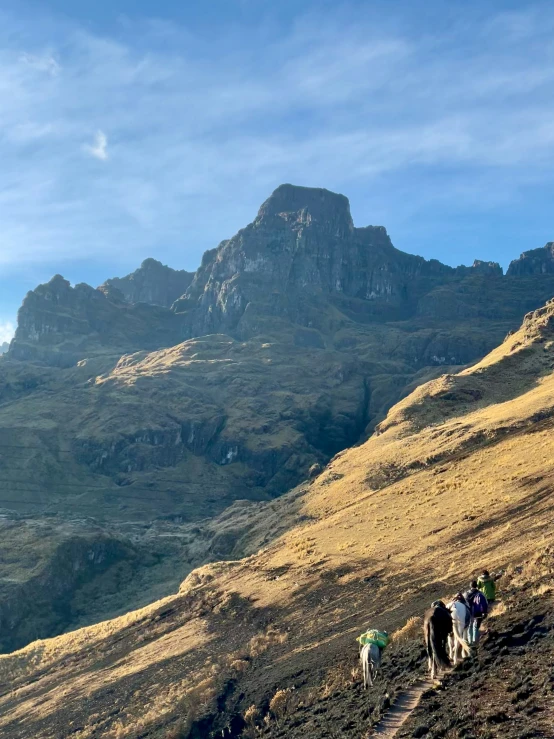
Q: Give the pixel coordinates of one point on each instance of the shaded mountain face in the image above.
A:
(534, 262)
(303, 246)
(300, 271)
(153, 283)
(291, 342)
(61, 325)
(303, 261)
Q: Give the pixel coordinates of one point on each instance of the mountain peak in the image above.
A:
(153, 282)
(321, 204)
(534, 262)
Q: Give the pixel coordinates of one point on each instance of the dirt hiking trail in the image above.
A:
(401, 710)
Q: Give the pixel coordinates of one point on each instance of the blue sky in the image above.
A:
(131, 128)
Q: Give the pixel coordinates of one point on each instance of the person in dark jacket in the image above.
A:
(479, 609)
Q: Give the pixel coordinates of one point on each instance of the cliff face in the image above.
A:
(301, 245)
(303, 254)
(59, 324)
(301, 272)
(152, 283)
(291, 343)
(534, 262)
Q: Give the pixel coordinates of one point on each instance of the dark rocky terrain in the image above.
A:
(168, 396)
(507, 689)
(534, 262)
(153, 283)
(458, 476)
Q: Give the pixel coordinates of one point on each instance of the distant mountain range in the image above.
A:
(288, 344)
(457, 477)
(166, 395)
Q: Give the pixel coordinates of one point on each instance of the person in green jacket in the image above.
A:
(487, 585)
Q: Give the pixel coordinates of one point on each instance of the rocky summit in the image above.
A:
(153, 283)
(161, 398)
(534, 262)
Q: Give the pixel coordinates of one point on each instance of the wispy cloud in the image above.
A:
(99, 149)
(41, 62)
(205, 130)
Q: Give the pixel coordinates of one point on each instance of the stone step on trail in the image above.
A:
(400, 711)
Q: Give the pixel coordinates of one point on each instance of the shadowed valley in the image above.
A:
(459, 473)
(141, 421)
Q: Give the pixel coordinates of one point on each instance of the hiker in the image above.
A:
(372, 642)
(487, 585)
(479, 608)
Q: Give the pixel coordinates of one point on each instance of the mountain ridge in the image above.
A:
(153, 282)
(301, 243)
(265, 645)
(291, 343)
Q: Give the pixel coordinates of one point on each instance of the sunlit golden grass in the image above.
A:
(411, 630)
(262, 642)
(43, 652)
(445, 489)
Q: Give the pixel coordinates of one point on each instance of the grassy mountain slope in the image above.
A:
(58, 572)
(459, 476)
(165, 397)
(182, 431)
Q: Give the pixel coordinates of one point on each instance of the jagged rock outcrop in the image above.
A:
(303, 244)
(534, 262)
(303, 253)
(479, 267)
(291, 342)
(4, 347)
(153, 283)
(301, 270)
(60, 324)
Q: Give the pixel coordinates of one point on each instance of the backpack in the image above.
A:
(373, 636)
(478, 604)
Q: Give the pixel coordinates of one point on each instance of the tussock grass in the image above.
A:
(262, 642)
(339, 677)
(411, 630)
(280, 704)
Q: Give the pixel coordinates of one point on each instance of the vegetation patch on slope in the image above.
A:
(473, 490)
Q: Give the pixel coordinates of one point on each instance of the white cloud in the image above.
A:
(205, 131)
(99, 148)
(7, 330)
(41, 63)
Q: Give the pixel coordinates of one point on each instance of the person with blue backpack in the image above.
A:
(478, 608)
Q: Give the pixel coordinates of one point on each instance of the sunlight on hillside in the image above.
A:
(384, 529)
